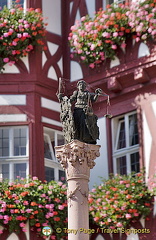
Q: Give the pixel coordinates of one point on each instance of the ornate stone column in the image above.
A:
(77, 158)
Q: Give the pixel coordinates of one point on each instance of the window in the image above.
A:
(62, 175)
(8, 3)
(49, 174)
(126, 144)
(13, 152)
(4, 142)
(19, 170)
(119, 1)
(53, 169)
(13, 170)
(13, 141)
(20, 140)
(108, 2)
(52, 138)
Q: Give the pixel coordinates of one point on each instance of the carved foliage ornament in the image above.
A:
(77, 151)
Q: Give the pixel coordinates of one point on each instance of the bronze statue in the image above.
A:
(81, 124)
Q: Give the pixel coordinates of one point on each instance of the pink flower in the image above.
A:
(11, 30)
(28, 210)
(6, 34)
(35, 178)
(92, 65)
(20, 20)
(38, 229)
(128, 216)
(123, 45)
(14, 43)
(22, 224)
(38, 10)
(6, 217)
(25, 203)
(114, 46)
(12, 10)
(6, 60)
(92, 47)
(83, 18)
(119, 224)
(83, 58)
(24, 229)
(137, 39)
(60, 207)
(136, 214)
(79, 51)
(121, 34)
(25, 34)
(106, 34)
(60, 183)
(96, 219)
(27, 25)
(121, 182)
(115, 34)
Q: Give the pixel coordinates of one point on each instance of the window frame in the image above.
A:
(11, 142)
(53, 163)
(12, 170)
(12, 159)
(9, 3)
(127, 150)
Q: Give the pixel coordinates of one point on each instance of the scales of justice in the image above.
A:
(77, 155)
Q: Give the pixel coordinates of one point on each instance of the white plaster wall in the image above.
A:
(13, 68)
(147, 143)
(52, 11)
(101, 167)
(143, 50)
(13, 118)
(154, 107)
(90, 7)
(49, 104)
(12, 99)
(51, 121)
(76, 72)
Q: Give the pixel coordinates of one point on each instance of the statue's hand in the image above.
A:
(60, 96)
(98, 91)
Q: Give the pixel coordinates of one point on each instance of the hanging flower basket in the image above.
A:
(119, 201)
(96, 39)
(20, 32)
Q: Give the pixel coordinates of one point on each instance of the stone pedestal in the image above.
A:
(77, 158)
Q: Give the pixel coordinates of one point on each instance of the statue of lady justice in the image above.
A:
(81, 124)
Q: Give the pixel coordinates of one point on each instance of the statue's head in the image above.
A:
(82, 83)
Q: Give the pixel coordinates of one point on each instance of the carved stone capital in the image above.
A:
(77, 158)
